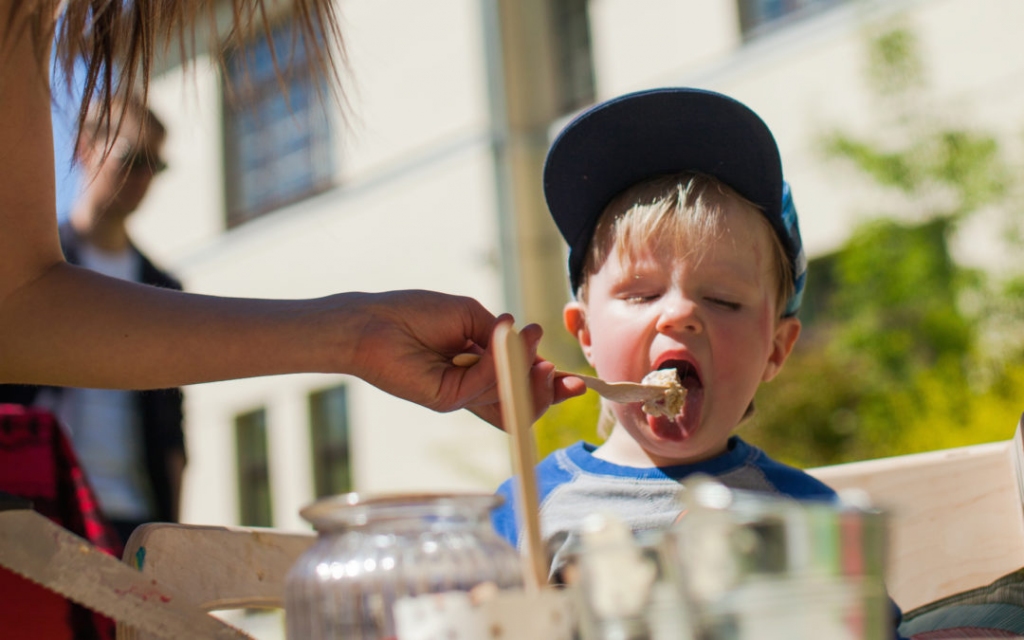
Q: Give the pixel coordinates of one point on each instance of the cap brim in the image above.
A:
(642, 135)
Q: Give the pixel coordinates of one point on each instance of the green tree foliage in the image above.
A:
(904, 349)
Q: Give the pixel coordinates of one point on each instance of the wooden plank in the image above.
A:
(956, 520)
(216, 567)
(514, 391)
(35, 547)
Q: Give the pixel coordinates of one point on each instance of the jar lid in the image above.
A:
(356, 508)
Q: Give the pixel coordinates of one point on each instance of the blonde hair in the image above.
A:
(683, 209)
(117, 40)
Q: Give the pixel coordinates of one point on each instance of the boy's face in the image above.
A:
(712, 316)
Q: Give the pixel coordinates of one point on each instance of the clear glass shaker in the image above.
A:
(624, 588)
(754, 565)
(372, 551)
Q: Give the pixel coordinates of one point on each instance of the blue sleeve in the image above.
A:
(550, 475)
(503, 517)
(793, 482)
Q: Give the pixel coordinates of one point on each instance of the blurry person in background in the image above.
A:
(130, 443)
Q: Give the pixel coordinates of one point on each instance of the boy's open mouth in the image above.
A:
(688, 375)
(682, 425)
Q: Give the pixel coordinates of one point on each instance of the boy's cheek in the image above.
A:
(615, 353)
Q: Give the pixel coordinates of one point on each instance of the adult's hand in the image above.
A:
(545, 388)
(406, 341)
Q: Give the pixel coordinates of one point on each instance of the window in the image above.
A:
(277, 143)
(253, 466)
(328, 420)
(574, 65)
(757, 15)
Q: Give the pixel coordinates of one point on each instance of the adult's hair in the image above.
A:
(118, 39)
(96, 127)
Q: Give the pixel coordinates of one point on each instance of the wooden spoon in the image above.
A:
(624, 392)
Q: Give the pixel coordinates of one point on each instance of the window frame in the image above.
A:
(324, 453)
(244, 89)
(252, 472)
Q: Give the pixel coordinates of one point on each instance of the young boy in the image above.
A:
(685, 254)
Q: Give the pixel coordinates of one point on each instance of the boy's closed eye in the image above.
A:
(638, 288)
(638, 298)
(724, 303)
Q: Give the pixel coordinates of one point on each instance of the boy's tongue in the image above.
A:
(667, 429)
(683, 425)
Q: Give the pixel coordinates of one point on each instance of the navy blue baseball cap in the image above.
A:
(657, 132)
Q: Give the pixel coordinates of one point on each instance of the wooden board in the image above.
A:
(956, 516)
(216, 567)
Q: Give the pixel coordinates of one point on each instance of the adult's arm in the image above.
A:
(63, 325)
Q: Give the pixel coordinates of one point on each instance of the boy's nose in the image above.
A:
(679, 315)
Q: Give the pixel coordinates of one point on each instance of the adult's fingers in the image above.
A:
(479, 323)
(531, 335)
(545, 387)
(565, 387)
(542, 376)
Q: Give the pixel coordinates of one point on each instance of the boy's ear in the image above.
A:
(786, 333)
(575, 320)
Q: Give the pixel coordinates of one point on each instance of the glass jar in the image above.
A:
(372, 551)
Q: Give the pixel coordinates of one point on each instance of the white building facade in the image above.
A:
(431, 179)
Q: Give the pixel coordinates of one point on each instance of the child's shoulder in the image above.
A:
(556, 468)
(553, 471)
(787, 479)
(577, 464)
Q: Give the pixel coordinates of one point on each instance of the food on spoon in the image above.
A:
(670, 403)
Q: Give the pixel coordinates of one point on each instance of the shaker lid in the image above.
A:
(354, 509)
